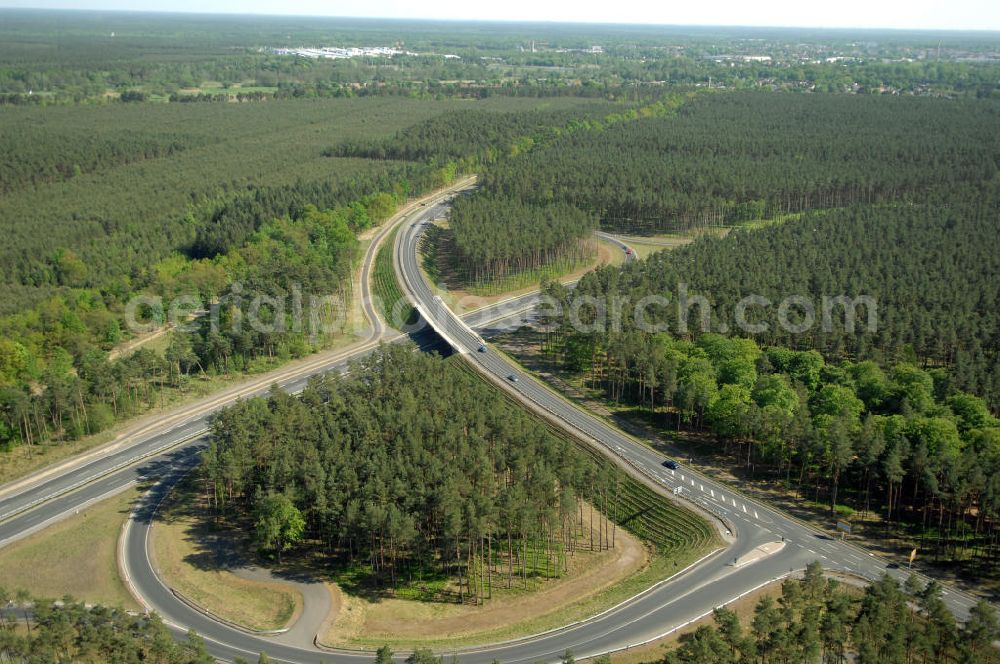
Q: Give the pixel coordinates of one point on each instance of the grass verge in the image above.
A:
(369, 622)
(189, 553)
(390, 301)
(77, 556)
(655, 651)
(526, 623)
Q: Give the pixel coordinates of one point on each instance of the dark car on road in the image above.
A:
(671, 464)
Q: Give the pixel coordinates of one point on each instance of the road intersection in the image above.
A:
(168, 452)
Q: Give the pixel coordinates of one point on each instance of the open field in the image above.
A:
(77, 556)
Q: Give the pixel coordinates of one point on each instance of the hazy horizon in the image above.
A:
(924, 15)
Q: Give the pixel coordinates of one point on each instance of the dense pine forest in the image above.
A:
(494, 235)
(191, 159)
(694, 161)
(894, 199)
(472, 137)
(125, 187)
(498, 237)
(106, 204)
(930, 268)
(894, 421)
(728, 158)
(822, 620)
(902, 439)
(413, 469)
(39, 630)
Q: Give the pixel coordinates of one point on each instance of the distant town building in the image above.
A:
(338, 53)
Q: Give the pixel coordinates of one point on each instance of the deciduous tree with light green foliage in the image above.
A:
(278, 522)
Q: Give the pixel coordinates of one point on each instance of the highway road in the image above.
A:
(167, 454)
(753, 522)
(189, 425)
(167, 450)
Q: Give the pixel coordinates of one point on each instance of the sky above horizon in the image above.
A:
(913, 14)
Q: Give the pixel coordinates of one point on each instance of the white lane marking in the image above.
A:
(713, 492)
(683, 479)
(734, 502)
(755, 514)
(692, 482)
(701, 487)
(744, 509)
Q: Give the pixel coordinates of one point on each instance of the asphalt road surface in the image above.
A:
(168, 454)
(753, 523)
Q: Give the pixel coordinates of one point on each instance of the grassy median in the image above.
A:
(76, 557)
